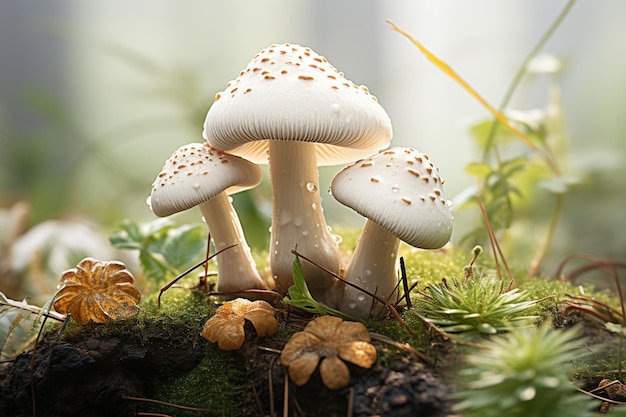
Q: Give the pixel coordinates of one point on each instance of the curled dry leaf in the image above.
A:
(226, 327)
(329, 339)
(98, 291)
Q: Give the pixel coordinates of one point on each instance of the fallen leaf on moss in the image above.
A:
(329, 339)
(97, 291)
(226, 327)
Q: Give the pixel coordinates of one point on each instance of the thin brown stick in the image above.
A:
(402, 346)
(350, 402)
(153, 401)
(599, 397)
(271, 350)
(265, 293)
(21, 305)
(545, 247)
(257, 399)
(604, 386)
(389, 307)
(188, 271)
(496, 246)
(595, 263)
(405, 283)
(206, 264)
(286, 396)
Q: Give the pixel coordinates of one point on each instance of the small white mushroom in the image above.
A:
(400, 192)
(197, 175)
(290, 104)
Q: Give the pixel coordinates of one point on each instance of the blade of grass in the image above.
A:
(456, 77)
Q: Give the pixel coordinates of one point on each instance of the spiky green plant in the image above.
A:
(476, 304)
(524, 373)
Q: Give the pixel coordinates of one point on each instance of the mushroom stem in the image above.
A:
(236, 270)
(371, 268)
(298, 221)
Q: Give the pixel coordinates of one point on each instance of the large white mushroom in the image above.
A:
(196, 175)
(290, 104)
(400, 192)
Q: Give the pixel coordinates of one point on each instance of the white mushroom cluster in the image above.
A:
(400, 193)
(290, 108)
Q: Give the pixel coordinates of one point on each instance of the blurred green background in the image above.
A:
(94, 96)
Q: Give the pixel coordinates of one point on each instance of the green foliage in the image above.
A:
(164, 250)
(300, 297)
(524, 373)
(476, 305)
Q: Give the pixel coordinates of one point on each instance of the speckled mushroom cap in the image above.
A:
(196, 173)
(399, 189)
(290, 93)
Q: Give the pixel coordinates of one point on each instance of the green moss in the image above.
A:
(181, 311)
(214, 385)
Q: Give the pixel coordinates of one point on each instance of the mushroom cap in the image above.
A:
(196, 173)
(400, 190)
(290, 93)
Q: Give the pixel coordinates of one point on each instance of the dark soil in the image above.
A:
(88, 372)
(91, 374)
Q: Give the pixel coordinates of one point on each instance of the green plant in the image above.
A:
(300, 297)
(524, 373)
(476, 303)
(164, 250)
(499, 172)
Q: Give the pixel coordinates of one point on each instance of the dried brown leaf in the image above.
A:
(226, 327)
(327, 339)
(97, 291)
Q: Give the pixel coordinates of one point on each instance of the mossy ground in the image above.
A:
(170, 362)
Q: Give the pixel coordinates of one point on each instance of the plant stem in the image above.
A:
(556, 213)
(522, 71)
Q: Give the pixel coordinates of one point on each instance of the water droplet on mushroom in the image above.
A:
(270, 229)
(449, 203)
(338, 239)
(298, 221)
(314, 206)
(360, 297)
(196, 185)
(276, 243)
(395, 188)
(305, 233)
(352, 304)
(149, 201)
(275, 252)
(284, 217)
(311, 187)
(368, 272)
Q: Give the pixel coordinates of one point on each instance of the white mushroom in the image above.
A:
(400, 192)
(196, 175)
(290, 104)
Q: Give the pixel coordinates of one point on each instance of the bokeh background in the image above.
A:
(95, 95)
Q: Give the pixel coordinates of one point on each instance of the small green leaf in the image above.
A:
(184, 246)
(300, 297)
